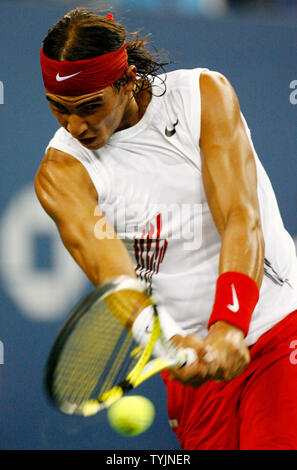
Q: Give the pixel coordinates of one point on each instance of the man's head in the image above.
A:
(99, 70)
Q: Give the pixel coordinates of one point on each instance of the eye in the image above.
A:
(62, 111)
(90, 108)
(59, 109)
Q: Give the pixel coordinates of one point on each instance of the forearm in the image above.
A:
(243, 246)
(240, 272)
(102, 259)
(109, 261)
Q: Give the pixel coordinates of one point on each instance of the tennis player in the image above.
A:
(155, 175)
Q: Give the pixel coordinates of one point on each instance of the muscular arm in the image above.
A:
(67, 194)
(230, 180)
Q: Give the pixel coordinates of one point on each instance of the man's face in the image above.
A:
(92, 118)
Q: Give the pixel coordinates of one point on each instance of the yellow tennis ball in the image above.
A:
(131, 415)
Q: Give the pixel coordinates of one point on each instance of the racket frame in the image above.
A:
(142, 370)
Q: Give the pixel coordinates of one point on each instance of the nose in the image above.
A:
(76, 125)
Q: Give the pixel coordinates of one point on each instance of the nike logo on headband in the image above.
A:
(61, 79)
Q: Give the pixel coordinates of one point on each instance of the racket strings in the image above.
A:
(81, 363)
(100, 351)
(113, 373)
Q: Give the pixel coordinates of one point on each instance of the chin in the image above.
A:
(95, 145)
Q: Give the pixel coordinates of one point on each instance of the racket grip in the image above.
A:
(187, 356)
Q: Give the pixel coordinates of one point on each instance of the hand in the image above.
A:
(222, 356)
(195, 374)
(226, 351)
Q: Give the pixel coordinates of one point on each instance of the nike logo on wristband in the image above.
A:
(235, 306)
(61, 79)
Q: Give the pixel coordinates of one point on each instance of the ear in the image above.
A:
(131, 74)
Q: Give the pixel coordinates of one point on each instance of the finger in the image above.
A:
(194, 374)
(242, 362)
(211, 359)
(235, 368)
(190, 342)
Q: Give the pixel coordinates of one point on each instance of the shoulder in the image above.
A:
(219, 102)
(57, 174)
(216, 90)
(55, 160)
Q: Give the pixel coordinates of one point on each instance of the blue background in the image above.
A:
(259, 58)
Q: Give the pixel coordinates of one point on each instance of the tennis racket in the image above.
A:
(95, 360)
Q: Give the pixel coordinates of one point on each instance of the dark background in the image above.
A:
(39, 281)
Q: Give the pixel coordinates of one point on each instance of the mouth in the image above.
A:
(88, 141)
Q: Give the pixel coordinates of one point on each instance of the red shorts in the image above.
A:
(257, 410)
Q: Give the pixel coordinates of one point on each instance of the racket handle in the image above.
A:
(187, 356)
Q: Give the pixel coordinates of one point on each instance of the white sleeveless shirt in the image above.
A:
(148, 178)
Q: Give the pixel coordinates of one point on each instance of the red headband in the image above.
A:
(82, 77)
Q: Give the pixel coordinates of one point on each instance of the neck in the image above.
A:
(136, 108)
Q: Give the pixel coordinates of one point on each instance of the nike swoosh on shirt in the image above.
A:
(60, 79)
(171, 132)
(235, 306)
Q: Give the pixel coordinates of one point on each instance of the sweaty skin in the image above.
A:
(67, 194)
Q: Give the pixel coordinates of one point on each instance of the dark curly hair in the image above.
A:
(83, 34)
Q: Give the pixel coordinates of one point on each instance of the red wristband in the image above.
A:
(236, 297)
